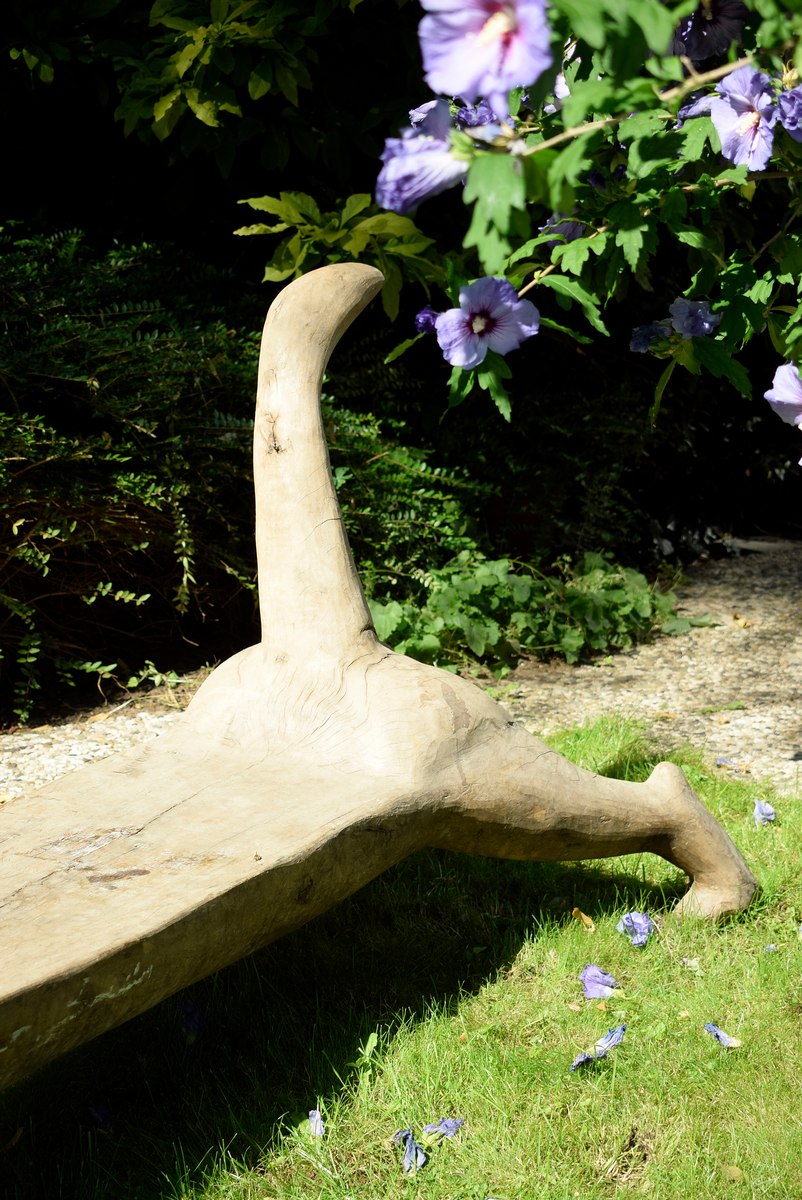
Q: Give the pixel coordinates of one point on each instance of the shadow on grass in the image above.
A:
(146, 1110)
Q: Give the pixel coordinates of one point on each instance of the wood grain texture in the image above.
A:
(304, 766)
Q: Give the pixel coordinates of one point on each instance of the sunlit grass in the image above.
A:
(449, 988)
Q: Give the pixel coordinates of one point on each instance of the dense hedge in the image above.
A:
(125, 431)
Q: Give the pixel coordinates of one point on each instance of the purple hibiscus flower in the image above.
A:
(785, 394)
(490, 317)
(646, 336)
(421, 163)
(613, 1037)
(471, 115)
(693, 318)
(744, 114)
(596, 983)
(637, 926)
(564, 228)
(697, 106)
(474, 48)
(426, 319)
(789, 110)
(711, 30)
(561, 92)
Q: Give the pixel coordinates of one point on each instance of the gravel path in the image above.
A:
(731, 689)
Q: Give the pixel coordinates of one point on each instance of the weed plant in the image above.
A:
(449, 988)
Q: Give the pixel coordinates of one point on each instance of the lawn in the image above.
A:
(449, 988)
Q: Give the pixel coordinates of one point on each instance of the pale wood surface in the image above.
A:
(304, 766)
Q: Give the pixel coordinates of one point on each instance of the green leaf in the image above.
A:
(282, 207)
(489, 376)
(388, 224)
(524, 251)
(586, 20)
(186, 57)
(633, 231)
(657, 23)
(496, 182)
(249, 230)
(696, 133)
(288, 83)
(716, 356)
(204, 110)
(304, 204)
(496, 188)
(402, 348)
(577, 337)
(353, 206)
(573, 290)
(587, 96)
(391, 291)
(460, 386)
(662, 384)
(260, 81)
(386, 618)
(698, 239)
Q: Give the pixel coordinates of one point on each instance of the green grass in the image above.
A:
(465, 970)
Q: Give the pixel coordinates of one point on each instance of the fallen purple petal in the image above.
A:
(596, 983)
(446, 1127)
(414, 1154)
(612, 1038)
(637, 926)
(723, 1038)
(316, 1126)
(764, 812)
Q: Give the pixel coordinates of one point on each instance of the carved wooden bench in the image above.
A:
(304, 766)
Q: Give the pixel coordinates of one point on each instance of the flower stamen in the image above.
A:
(749, 121)
(500, 25)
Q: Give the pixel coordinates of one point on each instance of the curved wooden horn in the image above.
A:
(309, 591)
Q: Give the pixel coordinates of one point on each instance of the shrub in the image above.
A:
(501, 610)
(125, 426)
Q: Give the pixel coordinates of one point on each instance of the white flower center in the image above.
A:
(500, 25)
(750, 120)
(478, 323)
